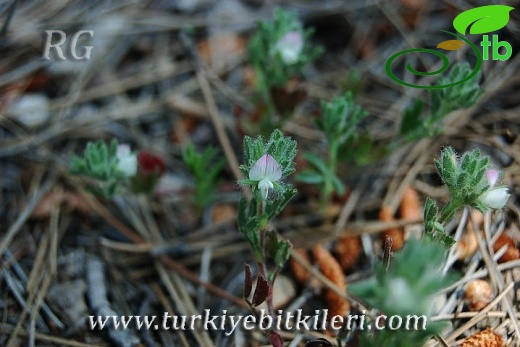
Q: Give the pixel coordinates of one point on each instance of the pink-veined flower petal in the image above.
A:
(492, 176)
(273, 172)
(265, 167)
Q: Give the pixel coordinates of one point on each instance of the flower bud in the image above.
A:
(492, 177)
(150, 164)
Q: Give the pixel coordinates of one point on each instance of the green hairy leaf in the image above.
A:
(406, 287)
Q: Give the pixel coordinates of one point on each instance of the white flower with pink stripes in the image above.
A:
(266, 171)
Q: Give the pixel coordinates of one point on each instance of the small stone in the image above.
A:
(31, 110)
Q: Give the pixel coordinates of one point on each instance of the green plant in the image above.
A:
(266, 164)
(408, 285)
(278, 51)
(205, 168)
(339, 120)
(471, 182)
(406, 289)
(115, 168)
(347, 143)
(443, 102)
(111, 166)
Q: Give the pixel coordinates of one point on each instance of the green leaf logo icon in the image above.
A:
(483, 19)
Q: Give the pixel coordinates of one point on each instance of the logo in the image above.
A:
(63, 39)
(480, 20)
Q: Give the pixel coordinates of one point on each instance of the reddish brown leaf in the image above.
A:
(248, 283)
(261, 291)
(275, 339)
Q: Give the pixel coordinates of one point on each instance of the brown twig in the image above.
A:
(202, 78)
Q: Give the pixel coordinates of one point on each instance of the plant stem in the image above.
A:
(266, 124)
(328, 187)
(262, 266)
(449, 210)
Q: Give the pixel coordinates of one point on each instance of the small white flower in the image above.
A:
(127, 162)
(266, 171)
(494, 197)
(290, 46)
